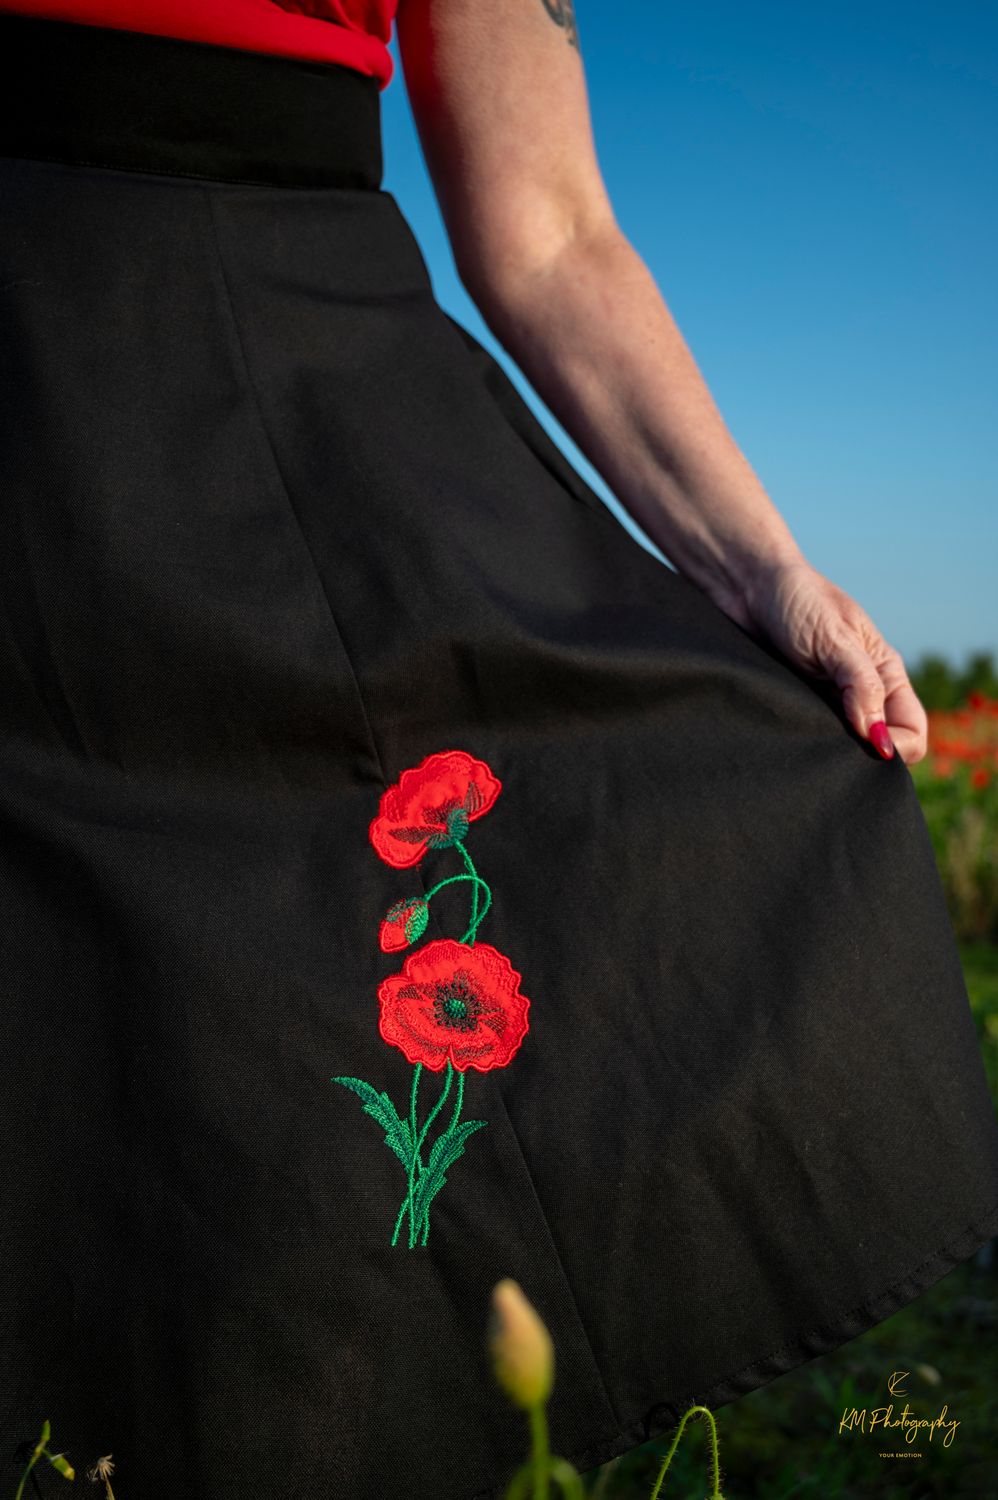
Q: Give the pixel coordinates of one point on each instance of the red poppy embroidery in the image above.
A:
(454, 1001)
(455, 1005)
(431, 805)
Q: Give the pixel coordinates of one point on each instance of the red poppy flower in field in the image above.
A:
(981, 776)
(942, 765)
(431, 805)
(454, 1000)
(403, 923)
(976, 700)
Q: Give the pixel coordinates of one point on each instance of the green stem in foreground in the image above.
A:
(31, 1464)
(539, 1449)
(705, 1410)
(57, 1460)
(531, 1481)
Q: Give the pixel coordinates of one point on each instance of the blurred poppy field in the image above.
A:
(957, 785)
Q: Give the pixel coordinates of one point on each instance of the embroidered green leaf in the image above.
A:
(380, 1107)
(457, 823)
(446, 1150)
(415, 924)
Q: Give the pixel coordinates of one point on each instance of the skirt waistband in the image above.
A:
(103, 97)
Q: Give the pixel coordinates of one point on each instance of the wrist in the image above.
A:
(738, 575)
(757, 572)
(711, 516)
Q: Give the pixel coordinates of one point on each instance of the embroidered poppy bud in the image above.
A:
(522, 1351)
(404, 923)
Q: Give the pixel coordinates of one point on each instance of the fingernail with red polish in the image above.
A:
(881, 738)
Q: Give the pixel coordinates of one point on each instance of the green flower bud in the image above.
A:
(522, 1351)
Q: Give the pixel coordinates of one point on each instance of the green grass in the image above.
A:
(782, 1442)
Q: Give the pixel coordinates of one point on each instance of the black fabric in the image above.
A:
(274, 529)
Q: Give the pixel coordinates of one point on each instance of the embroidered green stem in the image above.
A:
(437, 1107)
(715, 1493)
(417, 1163)
(457, 1106)
(398, 1222)
(449, 1131)
(449, 880)
(413, 1226)
(415, 1153)
(476, 916)
(469, 937)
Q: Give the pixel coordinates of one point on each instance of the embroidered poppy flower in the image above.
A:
(454, 1000)
(431, 805)
(403, 923)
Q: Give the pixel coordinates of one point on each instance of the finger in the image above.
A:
(907, 721)
(855, 674)
(906, 742)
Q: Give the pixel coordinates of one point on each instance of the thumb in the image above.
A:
(854, 673)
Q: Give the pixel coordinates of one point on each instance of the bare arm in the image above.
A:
(498, 93)
(499, 97)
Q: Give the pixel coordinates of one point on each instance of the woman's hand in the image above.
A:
(824, 631)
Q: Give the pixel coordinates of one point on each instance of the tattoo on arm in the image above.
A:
(562, 13)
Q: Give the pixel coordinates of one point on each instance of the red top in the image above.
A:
(355, 33)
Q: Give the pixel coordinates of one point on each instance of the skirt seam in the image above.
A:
(365, 713)
(279, 473)
(366, 717)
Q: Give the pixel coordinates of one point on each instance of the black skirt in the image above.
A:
(406, 881)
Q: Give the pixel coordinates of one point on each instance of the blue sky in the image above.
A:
(814, 191)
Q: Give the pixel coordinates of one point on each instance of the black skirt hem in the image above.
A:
(842, 1329)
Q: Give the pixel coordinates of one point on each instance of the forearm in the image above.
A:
(592, 333)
